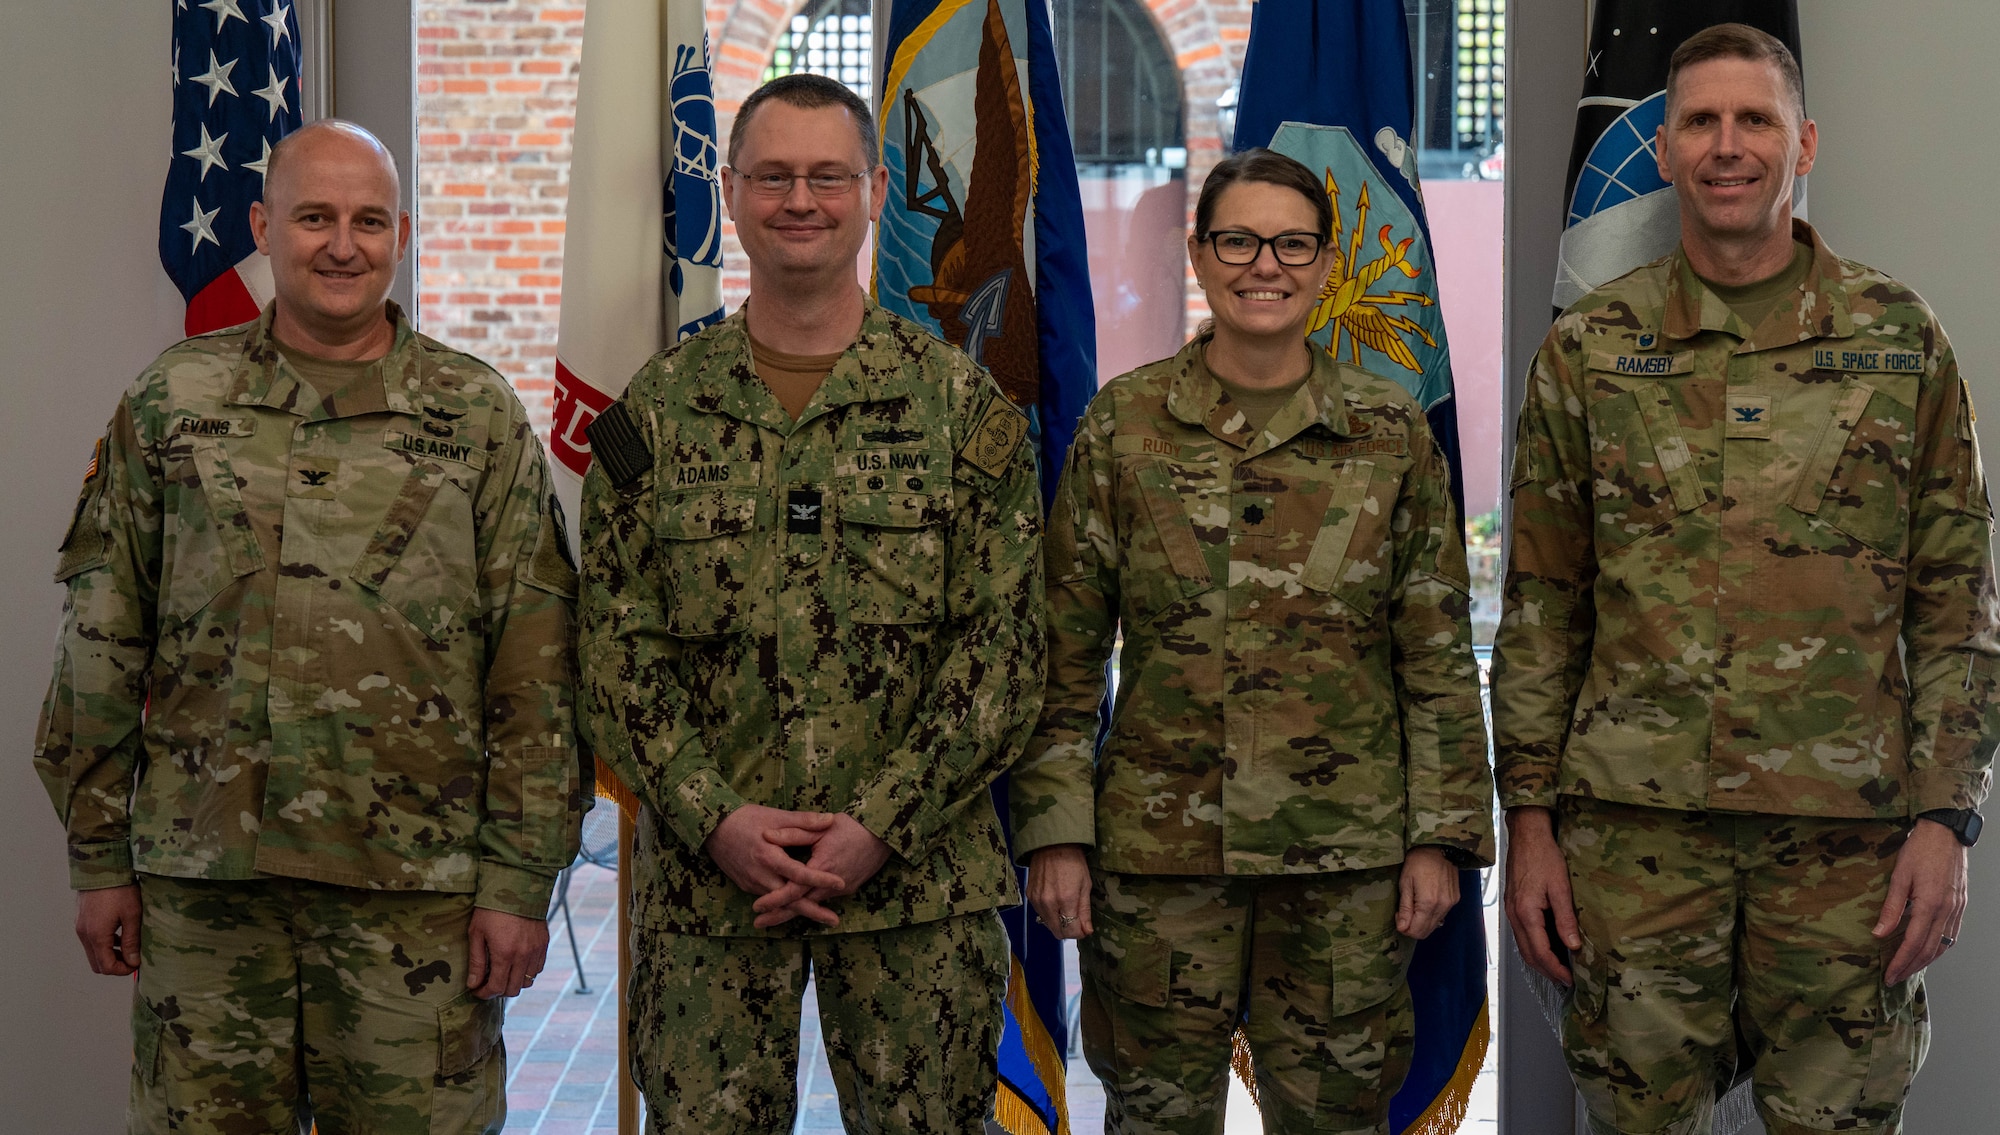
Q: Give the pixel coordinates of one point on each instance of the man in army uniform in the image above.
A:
(1744, 684)
(310, 720)
(811, 623)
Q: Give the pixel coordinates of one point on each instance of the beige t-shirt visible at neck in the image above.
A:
(792, 379)
(1753, 301)
(1260, 404)
(330, 377)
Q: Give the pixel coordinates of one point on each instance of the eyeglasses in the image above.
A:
(822, 183)
(1292, 249)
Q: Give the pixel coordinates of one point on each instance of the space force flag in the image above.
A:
(981, 241)
(642, 246)
(1620, 212)
(236, 91)
(1329, 82)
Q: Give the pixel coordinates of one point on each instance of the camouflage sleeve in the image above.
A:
(985, 686)
(1052, 791)
(635, 709)
(1951, 625)
(1546, 619)
(1448, 789)
(88, 744)
(533, 812)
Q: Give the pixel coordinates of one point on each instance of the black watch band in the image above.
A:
(1963, 822)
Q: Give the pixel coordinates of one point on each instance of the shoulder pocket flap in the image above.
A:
(468, 1028)
(1367, 972)
(699, 516)
(892, 510)
(1143, 973)
(1336, 531)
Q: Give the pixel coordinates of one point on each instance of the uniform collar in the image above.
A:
(268, 380)
(1821, 311)
(870, 370)
(1197, 399)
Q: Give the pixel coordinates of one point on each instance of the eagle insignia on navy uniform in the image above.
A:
(996, 437)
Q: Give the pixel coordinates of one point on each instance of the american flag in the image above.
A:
(236, 91)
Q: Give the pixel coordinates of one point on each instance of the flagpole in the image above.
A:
(628, 1092)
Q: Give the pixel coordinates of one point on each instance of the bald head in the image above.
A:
(331, 137)
(332, 223)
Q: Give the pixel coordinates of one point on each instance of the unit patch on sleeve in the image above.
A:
(616, 442)
(996, 437)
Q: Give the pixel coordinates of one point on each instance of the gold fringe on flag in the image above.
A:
(1012, 1112)
(614, 790)
(1446, 1113)
(1239, 1059)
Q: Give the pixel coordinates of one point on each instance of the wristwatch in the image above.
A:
(1963, 822)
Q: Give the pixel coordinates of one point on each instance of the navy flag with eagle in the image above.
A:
(1620, 213)
(1330, 83)
(981, 241)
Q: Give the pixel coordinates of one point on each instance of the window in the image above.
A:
(1120, 84)
(835, 38)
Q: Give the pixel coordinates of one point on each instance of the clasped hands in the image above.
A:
(753, 846)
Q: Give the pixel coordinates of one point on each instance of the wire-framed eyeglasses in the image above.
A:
(778, 183)
(1294, 249)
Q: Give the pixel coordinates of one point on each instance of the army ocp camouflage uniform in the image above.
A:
(326, 642)
(1298, 705)
(836, 613)
(1750, 573)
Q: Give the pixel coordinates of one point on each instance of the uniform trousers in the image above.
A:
(268, 1005)
(910, 1015)
(1703, 931)
(1311, 965)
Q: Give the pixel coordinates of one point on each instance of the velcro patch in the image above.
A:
(996, 437)
(1876, 361)
(435, 448)
(1643, 366)
(553, 568)
(1749, 415)
(616, 443)
(802, 511)
(213, 427)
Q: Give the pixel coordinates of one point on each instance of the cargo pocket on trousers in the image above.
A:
(1897, 1048)
(146, 1029)
(1371, 1032)
(1142, 972)
(469, 1092)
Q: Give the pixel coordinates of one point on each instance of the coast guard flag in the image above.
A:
(236, 91)
(1621, 212)
(642, 248)
(1329, 82)
(982, 242)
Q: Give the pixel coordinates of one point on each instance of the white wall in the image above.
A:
(84, 305)
(1906, 180)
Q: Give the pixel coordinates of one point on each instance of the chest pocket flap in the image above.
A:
(709, 559)
(213, 542)
(894, 547)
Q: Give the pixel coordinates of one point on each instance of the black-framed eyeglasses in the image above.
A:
(776, 183)
(1295, 249)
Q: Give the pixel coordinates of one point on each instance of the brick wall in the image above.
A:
(496, 98)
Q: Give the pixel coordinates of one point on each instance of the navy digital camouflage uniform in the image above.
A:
(840, 612)
(315, 675)
(1298, 705)
(1750, 632)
